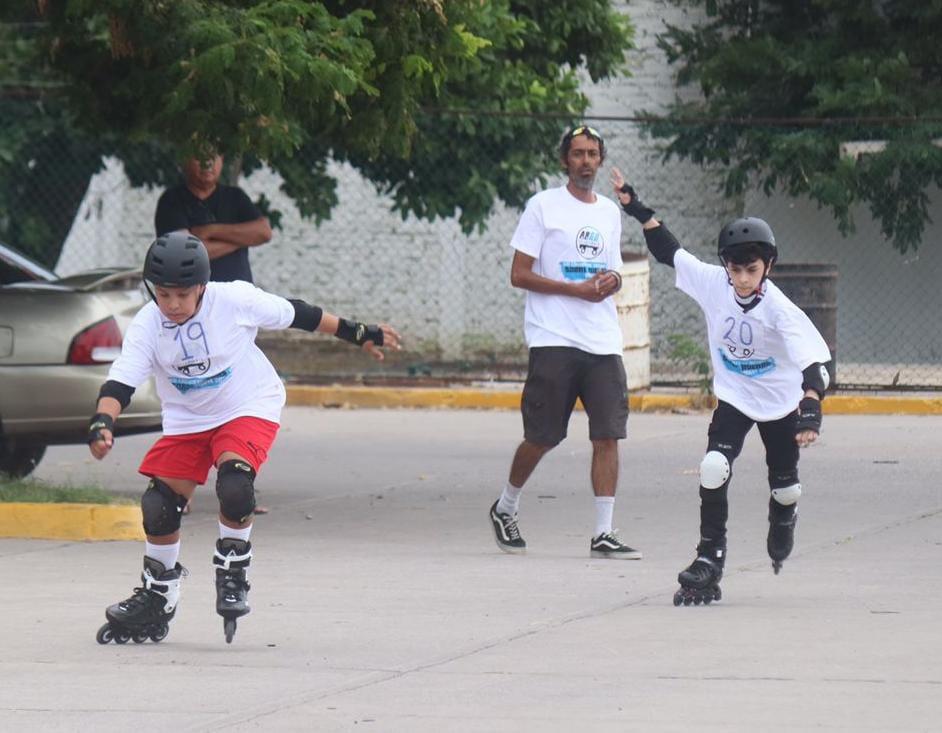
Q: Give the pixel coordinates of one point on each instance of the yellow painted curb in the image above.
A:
(873, 405)
(468, 398)
(51, 521)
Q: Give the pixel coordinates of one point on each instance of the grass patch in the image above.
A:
(35, 491)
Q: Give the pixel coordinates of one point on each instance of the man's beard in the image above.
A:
(583, 182)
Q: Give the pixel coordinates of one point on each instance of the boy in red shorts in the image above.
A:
(221, 403)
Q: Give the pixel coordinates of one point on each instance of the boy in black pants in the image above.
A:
(768, 370)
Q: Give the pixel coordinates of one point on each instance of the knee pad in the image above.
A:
(787, 495)
(714, 470)
(162, 509)
(235, 487)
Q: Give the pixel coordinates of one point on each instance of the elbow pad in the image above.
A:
(816, 377)
(307, 317)
(117, 391)
(662, 244)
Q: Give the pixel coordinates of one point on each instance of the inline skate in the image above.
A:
(231, 560)
(700, 581)
(147, 612)
(781, 539)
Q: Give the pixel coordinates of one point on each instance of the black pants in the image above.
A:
(727, 432)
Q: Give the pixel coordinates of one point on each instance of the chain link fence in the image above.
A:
(450, 295)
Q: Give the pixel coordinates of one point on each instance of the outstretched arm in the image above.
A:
(370, 337)
(661, 242)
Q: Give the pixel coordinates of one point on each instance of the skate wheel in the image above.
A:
(697, 599)
(122, 637)
(139, 637)
(707, 600)
(717, 594)
(160, 633)
(229, 626)
(687, 600)
(776, 567)
(105, 634)
(678, 599)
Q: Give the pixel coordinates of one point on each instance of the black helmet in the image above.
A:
(748, 230)
(178, 260)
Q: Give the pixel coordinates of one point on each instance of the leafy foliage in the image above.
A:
(784, 84)
(296, 84)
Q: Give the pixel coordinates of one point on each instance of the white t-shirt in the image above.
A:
(209, 370)
(570, 240)
(757, 356)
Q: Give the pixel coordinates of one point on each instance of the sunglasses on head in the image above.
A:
(585, 130)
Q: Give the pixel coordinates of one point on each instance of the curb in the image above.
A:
(498, 399)
(51, 521)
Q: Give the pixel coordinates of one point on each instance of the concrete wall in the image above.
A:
(450, 293)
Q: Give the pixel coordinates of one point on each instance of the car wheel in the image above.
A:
(18, 458)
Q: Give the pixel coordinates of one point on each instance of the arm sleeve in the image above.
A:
(615, 261)
(662, 244)
(803, 342)
(135, 365)
(694, 277)
(169, 215)
(528, 237)
(246, 210)
(257, 308)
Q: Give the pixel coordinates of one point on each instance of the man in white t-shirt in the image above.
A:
(768, 370)
(567, 258)
(221, 401)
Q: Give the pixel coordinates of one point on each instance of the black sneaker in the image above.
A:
(608, 545)
(506, 532)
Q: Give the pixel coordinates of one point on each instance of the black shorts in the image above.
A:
(556, 376)
(728, 430)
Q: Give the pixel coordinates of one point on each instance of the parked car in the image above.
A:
(57, 339)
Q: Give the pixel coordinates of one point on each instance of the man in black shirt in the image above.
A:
(224, 217)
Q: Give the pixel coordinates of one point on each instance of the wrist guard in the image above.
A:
(100, 421)
(359, 333)
(635, 208)
(809, 415)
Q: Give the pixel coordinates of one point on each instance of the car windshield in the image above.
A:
(16, 267)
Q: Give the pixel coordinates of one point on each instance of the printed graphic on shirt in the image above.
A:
(739, 345)
(192, 360)
(188, 385)
(748, 367)
(590, 243)
(579, 271)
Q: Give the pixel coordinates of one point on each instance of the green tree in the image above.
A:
(447, 105)
(783, 84)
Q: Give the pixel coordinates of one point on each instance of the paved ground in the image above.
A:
(381, 603)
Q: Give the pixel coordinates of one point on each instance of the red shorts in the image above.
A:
(190, 456)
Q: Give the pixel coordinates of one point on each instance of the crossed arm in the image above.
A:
(223, 239)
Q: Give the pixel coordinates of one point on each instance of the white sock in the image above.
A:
(166, 555)
(509, 501)
(604, 508)
(236, 534)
